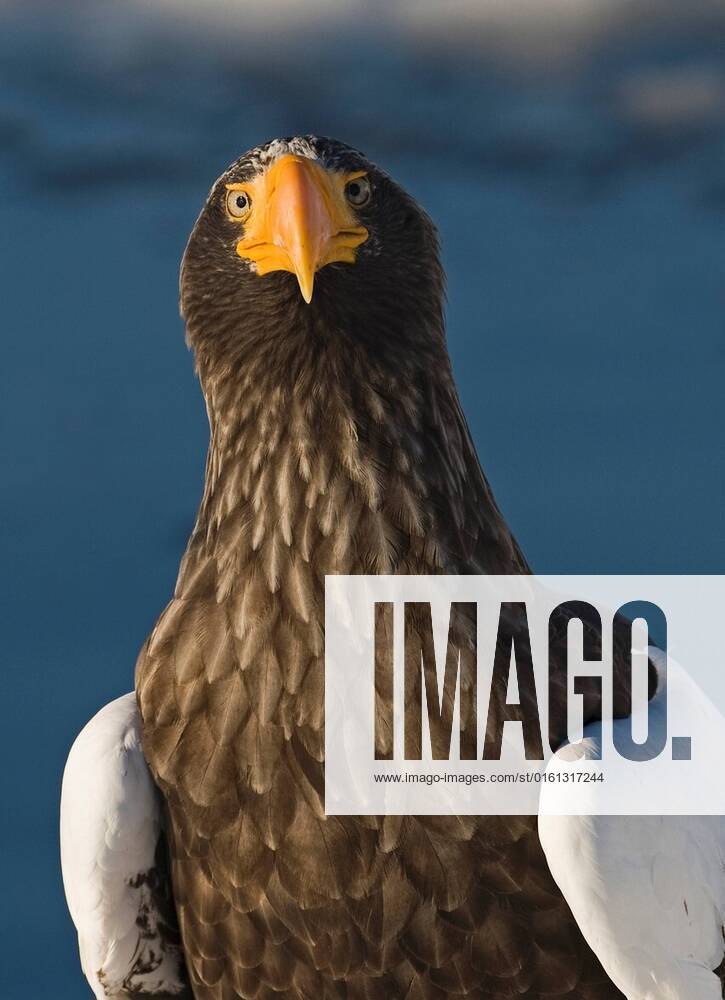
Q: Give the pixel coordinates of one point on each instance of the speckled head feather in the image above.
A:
(338, 445)
(389, 301)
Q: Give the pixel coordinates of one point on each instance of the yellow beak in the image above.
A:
(299, 221)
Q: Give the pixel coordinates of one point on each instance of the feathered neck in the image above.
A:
(350, 461)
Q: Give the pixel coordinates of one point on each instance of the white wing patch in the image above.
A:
(648, 892)
(110, 822)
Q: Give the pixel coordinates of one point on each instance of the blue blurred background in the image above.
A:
(573, 156)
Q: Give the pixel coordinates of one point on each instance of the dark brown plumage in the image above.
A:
(338, 445)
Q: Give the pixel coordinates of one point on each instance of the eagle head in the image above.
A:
(305, 236)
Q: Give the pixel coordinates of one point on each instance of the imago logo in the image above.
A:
(511, 653)
(512, 694)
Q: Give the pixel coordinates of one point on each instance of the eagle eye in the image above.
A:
(358, 191)
(239, 204)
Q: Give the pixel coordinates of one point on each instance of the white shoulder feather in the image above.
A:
(110, 825)
(648, 892)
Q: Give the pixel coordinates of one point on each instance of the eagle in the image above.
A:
(197, 855)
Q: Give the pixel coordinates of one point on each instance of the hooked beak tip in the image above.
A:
(306, 281)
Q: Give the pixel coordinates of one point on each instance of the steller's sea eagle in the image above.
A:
(312, 292)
